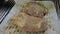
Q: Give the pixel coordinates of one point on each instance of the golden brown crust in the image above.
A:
(34, 9)
(31, 22)
(34, 24)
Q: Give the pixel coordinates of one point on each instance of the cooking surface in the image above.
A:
(5, 9)
(16, 9)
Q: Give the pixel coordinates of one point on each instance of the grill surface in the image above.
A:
(6, 9)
